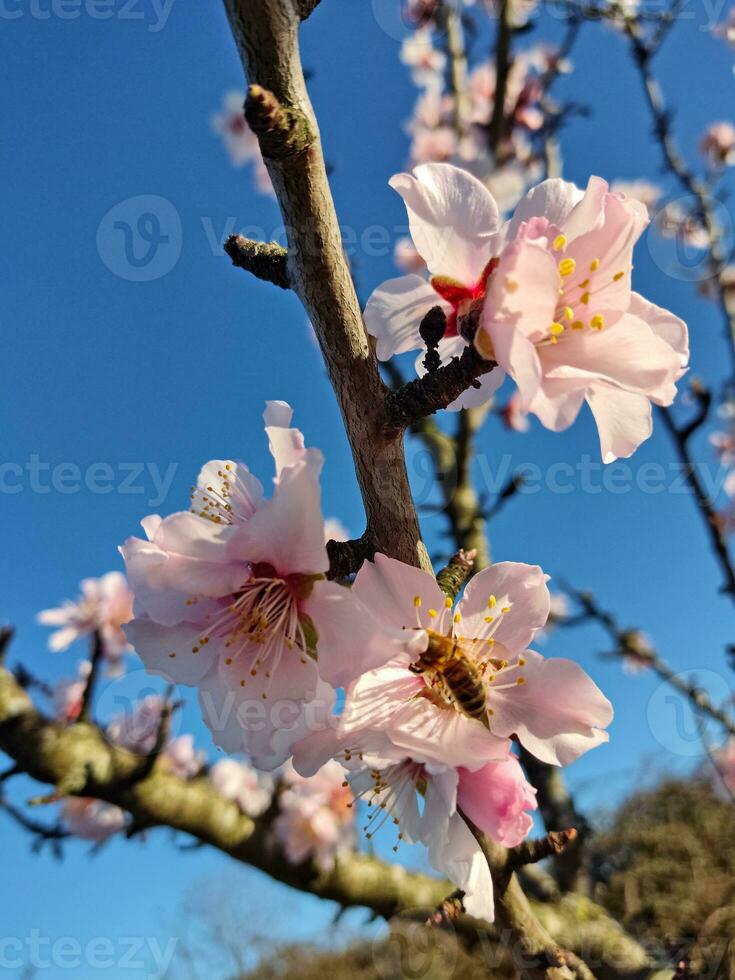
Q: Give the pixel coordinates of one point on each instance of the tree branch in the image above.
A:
(407, 405)
(281, 113)
(265, 260)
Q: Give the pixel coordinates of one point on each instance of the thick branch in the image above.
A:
(266, 33)
(78, 759)
(265, 260)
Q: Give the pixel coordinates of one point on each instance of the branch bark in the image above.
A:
(266, 33)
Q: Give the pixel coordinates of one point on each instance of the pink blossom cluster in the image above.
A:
(240, 141)
(723, 441)
(231, 598)
(103, 608)
(316, 819)
(546, 295)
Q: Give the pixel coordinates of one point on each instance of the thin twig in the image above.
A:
(97, 656)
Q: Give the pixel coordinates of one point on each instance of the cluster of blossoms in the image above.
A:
(316, 819)
(240, 141)
(231, 598)
(445, 127)
(546, 295)
(103, 608)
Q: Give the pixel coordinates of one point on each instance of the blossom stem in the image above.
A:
(97, 654)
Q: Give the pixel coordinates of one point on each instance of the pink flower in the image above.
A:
(513, 415)
(718, 144)
(315, 818)
(403, 735)
(68, 694)
(137, 730)
(425, 61)
(724, 761)
(726, 30)
(228, 599)
(91, 819)
(181, 758)
(560, 317)
(240, 141)
(455, 225)
(251, 790)
(674, 221)
(104, 606)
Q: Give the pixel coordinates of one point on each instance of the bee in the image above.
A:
(459, 677)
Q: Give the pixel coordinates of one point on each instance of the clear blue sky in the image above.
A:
(174, 371)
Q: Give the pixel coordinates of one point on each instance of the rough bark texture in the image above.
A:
(266, 33)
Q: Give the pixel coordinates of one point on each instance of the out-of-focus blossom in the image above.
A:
(137, 730)
(724, 761)
(424, 60)
(513, 415)
(181, 757)
(673, 221)
(718, 144)
(240, 141)
(406, 256)
(69, 694)
(239, 782)
(724, 440)
(91, 819)
(104, 606)
(334, 530)
(560, 317)
(315, 818)
(726, 30)
(638, 654)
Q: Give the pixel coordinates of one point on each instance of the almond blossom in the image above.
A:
(104, 606)
(138, 732)
(228, 599)
(315, 819)
(91, 819)
(404, 735)
(455, 226)
(237, 781)
(561, 318)
(718, 144)
(69, 694)
(240, 141)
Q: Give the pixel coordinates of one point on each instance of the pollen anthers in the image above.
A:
(213, 502)
(384, 791)
(575, 296)
(259, 624)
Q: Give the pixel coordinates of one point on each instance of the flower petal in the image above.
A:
(452, 218)
(168, 650)
(623, 420)
(510, 583)
(389, 589)
(394, 313)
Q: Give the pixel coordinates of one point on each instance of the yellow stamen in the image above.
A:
(521, 680)
(511, 284)
(618, 276)
(567, 267)
(568, 313)
(433, 613)
(447, 603)
(584, 298)
(597, 321)
(457, 617)
(491, 602)
(594, 265)
(556, 329)
(417, 601)
(577, 325)
(559, 243)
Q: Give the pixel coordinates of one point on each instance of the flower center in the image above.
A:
(461, 297)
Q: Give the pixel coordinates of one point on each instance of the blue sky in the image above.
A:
(152, 378)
